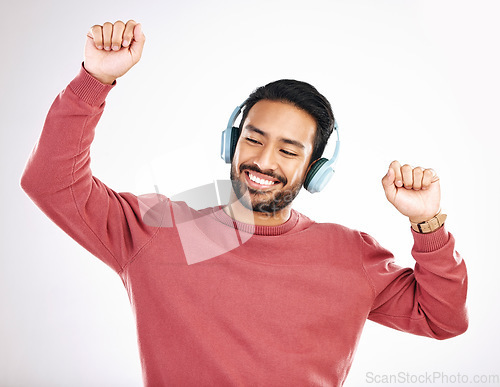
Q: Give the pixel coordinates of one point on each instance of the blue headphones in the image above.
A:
(319, 174)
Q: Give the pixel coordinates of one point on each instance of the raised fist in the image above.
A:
(112, 49)
(415, 192)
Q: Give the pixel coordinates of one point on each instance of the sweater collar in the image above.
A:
(222, 217)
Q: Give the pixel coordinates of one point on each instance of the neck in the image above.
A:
(236, 210)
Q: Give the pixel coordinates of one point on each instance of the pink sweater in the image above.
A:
(283, 306)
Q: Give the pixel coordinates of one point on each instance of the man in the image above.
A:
(286, 305)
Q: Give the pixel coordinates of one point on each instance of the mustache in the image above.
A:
(254, 168)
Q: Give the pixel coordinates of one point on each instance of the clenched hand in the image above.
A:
(112, 49)
(415, 192)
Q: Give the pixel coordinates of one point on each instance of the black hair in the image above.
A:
(303, 96)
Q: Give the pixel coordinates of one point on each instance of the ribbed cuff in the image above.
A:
(90, 89)
(425, 243)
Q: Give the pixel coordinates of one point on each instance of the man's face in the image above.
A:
(272, 155)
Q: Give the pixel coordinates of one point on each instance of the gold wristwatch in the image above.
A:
(430, 225)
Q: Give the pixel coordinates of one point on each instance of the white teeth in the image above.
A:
(258, 180)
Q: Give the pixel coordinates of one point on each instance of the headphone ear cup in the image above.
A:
(235, 134)
(315, 167)
(229, 137)
(318, 176)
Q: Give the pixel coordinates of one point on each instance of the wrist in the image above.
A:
(423, 218)
(104, 79)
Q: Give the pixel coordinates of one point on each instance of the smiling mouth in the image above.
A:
(260, 182)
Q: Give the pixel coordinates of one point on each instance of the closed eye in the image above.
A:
(288, 153)
(251, 140)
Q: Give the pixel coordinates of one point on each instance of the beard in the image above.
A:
(268, 202)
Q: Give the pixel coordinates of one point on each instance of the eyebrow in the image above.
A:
(296, 143)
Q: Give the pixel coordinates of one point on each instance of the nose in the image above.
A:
(265, 159)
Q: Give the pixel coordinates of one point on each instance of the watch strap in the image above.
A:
(430, 225)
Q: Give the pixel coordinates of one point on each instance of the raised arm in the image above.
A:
(429, 300)
(57, 176)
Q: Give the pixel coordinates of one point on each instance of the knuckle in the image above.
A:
(96, 32)
(418, 171)
(130, 25)
(406, 170)
(119, 22)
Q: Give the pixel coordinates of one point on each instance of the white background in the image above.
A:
(415, 81)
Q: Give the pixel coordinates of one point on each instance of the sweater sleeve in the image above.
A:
(428, 300)
(58, 178)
